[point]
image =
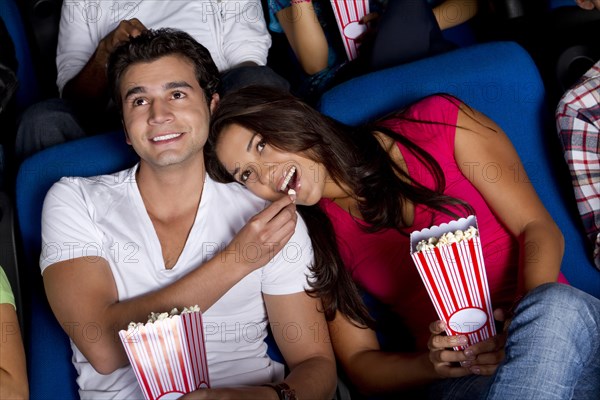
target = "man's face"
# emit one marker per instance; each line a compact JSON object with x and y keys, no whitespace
{"x":165,"y":113}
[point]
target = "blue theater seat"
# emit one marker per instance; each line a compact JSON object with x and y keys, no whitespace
{"x":28,"y":91}
{"x":51,"y":373}
{"x":501,"y":80}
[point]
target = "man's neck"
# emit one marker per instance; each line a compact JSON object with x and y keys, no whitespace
{"x":170,"y":191}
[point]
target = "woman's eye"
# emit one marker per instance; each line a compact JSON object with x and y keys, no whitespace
{"x":244,"y":176}
{"x":261,"y":145}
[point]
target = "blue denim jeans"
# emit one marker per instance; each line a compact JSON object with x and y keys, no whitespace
{"x":552,"y":352}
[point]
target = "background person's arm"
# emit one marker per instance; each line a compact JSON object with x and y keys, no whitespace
{"x":305,"y":35}
{"x":13,"y":373}
{"x":451,"y":13}
{"x":89,"y":88}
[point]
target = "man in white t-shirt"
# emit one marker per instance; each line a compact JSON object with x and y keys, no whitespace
{"x":233,"y":31}
{"x":163,"y":234}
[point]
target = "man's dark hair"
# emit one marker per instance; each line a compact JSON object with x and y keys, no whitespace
{"x":153,"y":44}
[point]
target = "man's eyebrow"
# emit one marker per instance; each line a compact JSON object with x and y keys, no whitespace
{"x":167,"y":86}
{"x":177,"y":84}
{"x":134,"y":90}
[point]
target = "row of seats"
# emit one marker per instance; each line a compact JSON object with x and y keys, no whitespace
{"x":499,"y":78}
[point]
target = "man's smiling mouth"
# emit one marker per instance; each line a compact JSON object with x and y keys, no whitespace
{"x":166,"y":137}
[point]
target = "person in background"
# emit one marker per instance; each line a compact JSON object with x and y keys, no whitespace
{"x":578,"y":126}
{"x":13,"y":372}
{"x":234,"y":32}
{"x":398,"y":32}
{"x":413,"y":169}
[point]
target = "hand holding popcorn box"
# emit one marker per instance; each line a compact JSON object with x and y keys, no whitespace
{"x":167,"y":354}
{"x":450,"y":262}
{"x":348,"y":13}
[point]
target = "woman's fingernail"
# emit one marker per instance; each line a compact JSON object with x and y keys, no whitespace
{"x":476,"y":370}
{"x":292,"y":194}
{"x":469,"y":354}
{"x":465,"y":364}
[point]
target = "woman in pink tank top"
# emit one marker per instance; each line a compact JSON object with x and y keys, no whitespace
{"x":432,"y":163}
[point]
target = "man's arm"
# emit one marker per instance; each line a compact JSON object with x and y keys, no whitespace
{"x":82,"y":291}
{"x":300,"y":330}
{"x":301,"y":333}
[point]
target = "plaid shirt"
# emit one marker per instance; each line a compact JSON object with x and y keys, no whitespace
{"x":578,"y":124}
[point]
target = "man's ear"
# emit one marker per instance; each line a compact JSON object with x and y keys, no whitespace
{"x":214,"y":102}
{"x":126,"y":133}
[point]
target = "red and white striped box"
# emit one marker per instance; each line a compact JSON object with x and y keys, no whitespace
{"x":348,"y":13}
{"x":168,"y":356}
{"x":455,"y":278}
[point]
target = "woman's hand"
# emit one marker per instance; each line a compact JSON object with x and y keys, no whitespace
{"x":444,"y":359}
{"x":481,"y":358}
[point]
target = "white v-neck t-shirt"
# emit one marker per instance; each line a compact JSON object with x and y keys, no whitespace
{"x":105,"y":216}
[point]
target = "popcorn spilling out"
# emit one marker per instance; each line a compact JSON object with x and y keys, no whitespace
{"x":155,"y":316}
{"x":447,"y":238}
{"x":291,"y":192}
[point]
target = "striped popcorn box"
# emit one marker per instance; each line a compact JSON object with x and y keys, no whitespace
{"x":453,"y":272}
{"x":168,"y":356}
{"x":348,"y":14}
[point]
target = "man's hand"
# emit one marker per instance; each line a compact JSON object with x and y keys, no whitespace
{"x":264,"y":235}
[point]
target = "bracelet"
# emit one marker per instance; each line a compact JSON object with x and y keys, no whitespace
{"x":284,"y":392}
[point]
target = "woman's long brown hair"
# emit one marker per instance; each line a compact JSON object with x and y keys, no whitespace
{"x":353,"y":157}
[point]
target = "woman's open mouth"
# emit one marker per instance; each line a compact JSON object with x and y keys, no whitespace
{"x":290,"y":180}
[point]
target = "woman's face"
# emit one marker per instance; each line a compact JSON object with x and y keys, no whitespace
{"x":269,"y":172}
